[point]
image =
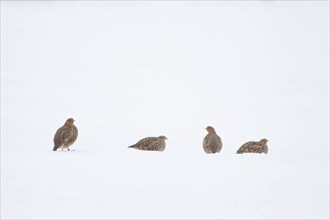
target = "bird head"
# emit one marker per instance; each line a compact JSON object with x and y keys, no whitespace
{"x":69,"y":121}
{"x":210,"y":129}
{"x":263,"y":141}
{"x":162,"y":137}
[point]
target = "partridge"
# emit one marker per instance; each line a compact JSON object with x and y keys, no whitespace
{"x":66,"y":135}
{"x":151,"y":144}
{"x":212,"y":142}
{"x":254,"y":147}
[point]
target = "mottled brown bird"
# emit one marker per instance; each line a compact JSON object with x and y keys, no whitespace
{"x":151,"y":144}
{"x":212,"y":142}
{"x":254,"y":147}
{"x":66,"y":135}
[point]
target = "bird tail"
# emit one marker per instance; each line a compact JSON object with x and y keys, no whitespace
{"x":132,"y":146}
{"x":55,"y":148}
{"x":239,"y":151}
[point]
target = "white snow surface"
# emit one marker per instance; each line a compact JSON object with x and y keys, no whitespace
{"x":132,"y":69}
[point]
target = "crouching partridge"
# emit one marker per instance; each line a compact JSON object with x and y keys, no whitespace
{"x":150,"y":144}
{"x":254,"y":147}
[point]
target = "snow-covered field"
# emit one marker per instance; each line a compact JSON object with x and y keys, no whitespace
{"x":127,"y":70}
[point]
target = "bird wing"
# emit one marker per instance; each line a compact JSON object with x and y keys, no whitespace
{"x":69,"y":134}
{"x":219,"y":141}
{"x":145,"y":143}
{"x":259,"y":148}
{"x":249,"y":146}
{"x":206,"y":143}
{"x":66,"y":133}
{"x":58,"y":137}
{"x":155,"y":145}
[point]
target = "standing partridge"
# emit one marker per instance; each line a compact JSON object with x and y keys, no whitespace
{"x":212,"y":142}
{"x":66,"y":135}
{"x":151,"y":144}
{"x":254,"y":147}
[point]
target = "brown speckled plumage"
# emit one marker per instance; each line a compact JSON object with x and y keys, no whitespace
{"x":66,"y":135}
{"x":212,"y":142}
{"x":151,"y":144}
{"x":254,"y":147}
